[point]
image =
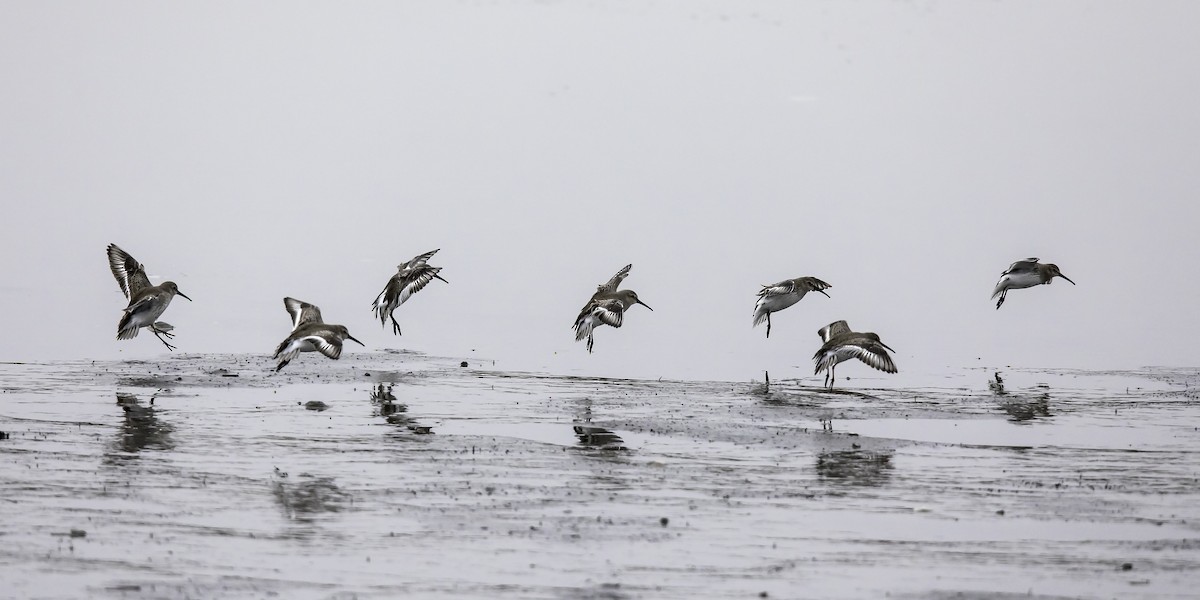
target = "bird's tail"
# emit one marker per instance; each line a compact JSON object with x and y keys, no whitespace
{"x":583,"y":327}
{"x":760,"y":314}
{"x":126,"y":330}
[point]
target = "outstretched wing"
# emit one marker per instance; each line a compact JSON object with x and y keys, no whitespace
{"x":420,"y":259}
{"x":873,"y":354}
{"x":302,"y":312}
{"x":833,"y":330}
{"x":417,"y":280}
{"x":611,"y":285}
{"x":129,"y":273}
{"x":327,"y":343}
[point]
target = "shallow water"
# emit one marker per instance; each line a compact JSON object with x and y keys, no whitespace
{"x":387,"y":474}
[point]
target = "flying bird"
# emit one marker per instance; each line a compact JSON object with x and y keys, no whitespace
{"x":606,"y":307}
{"x":776,"y":297}
{"x":841,"y":345}
{"x":1025,"y":274}
{"x":146,"y":302}
{"x":310,"y":333}
{"x":409,"y":279}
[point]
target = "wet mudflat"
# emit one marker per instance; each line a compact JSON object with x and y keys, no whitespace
{"x":389,"y":474}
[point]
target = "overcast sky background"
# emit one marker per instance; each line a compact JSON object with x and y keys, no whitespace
{"x":905,"y":152}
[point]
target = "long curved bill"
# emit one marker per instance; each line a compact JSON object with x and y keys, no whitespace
{"x":1067,"y":278}
{"x":179,"y":293}
{"x":350,"y":337}
{"x":646,"y":305}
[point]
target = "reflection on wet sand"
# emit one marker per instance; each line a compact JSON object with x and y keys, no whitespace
{"x":997,"y":385}
{"x":1021,"y":407}
{"x":599,"y":438}
{"x":590,"y":436}
{"x":1028,"y":408}
{"x":305,"y":498}
{"x":394,"y":412}
{"x":855,"y":467}
{"x":141,"y":430}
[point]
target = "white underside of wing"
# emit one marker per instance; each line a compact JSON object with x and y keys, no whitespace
{"x":876,"y":360}
{"x":310,"y":343}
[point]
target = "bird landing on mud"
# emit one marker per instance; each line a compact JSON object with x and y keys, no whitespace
{"x":842,"y":344}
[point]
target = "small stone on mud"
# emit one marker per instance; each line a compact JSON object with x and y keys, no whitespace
{"x":462,"y":364}
{"x":1127,"y":567}
{"x":663,"y":521}
{"x":1000,"y":512}
{"x":4,"y":436}
{"x":762,"y":594}
{"x":316,"y":405}
{"x":79,"y":533}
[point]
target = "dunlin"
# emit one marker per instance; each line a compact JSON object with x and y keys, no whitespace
{"x":776,"y":297}
{"x":841,"y":344}
{"x":310,"y":333}
{"x":1024,"y":274}
{"x":409,"y":279}
{"x":146,"y":302}
{"x":607,"y":307}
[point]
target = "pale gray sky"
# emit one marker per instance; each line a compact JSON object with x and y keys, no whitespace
{"x":905,"y":152}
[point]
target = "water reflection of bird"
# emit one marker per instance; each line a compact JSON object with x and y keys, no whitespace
{"x":306,"y":497}
{"x":393,"y":411}
{"x":855,"y":467}
{"x":997,"y":386}
{"x":142,"y":430}
{"x":598,"y":438}
{"x":1028,"y":408}
{"x":1020,"y":407}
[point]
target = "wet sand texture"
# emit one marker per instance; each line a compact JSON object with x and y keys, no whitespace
{"x":382,"y":475}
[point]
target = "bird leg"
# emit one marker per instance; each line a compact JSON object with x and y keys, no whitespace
{"x":158,"y":331}
{"x":832,"y":376}
{"x":159,"y":334}
{"x":1002,"y":295}
{"x":768,"y":324}
{"x":395,"y":325}
{"x":589,"y":344}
